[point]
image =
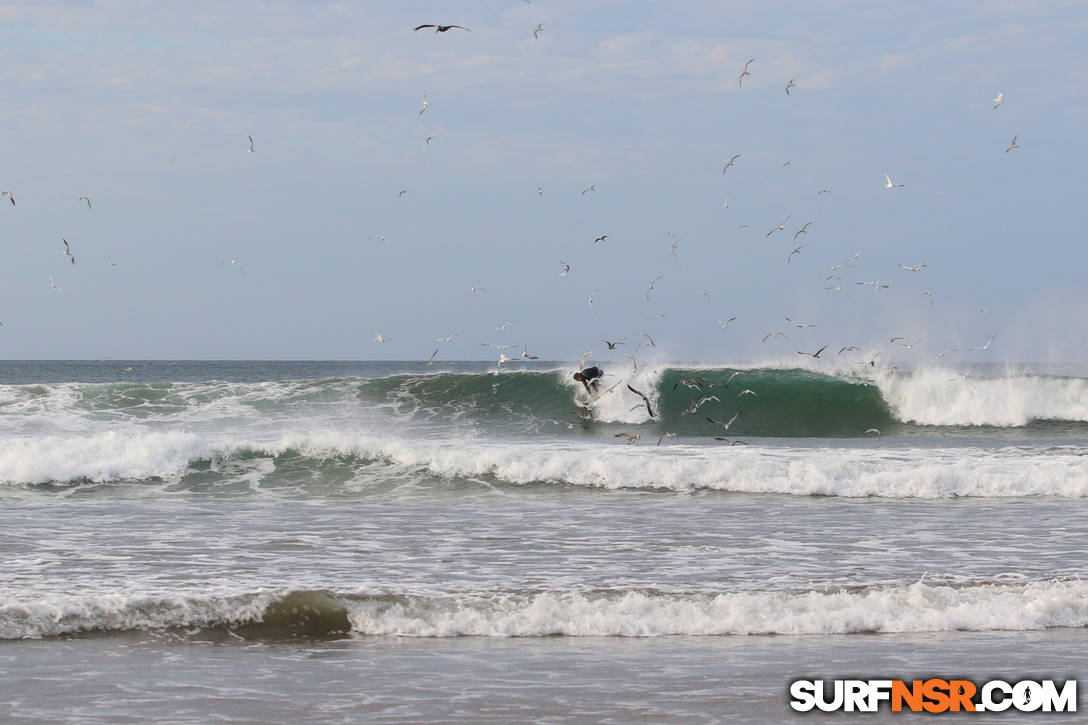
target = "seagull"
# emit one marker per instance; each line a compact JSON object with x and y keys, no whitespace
{"x":583,"y":414}
{"x":379,"y":338}
{"x":986,"y":346}
{"x":780,"y":227}
{"x":695,"y":382}
{"x":426,"y":104}
{"x":251,"y":149}
{"x":86,"y":199}
{"x":778,"y":333}
{"x":668,"y":434}
{"x":694,"y":407}
{"x":428,"y":139}
{"x":788,"y":162}
{"x":644,"y":399}
{"x":497,"y":347}
{"x":525,"y":354}
{"x":942,"y":353}
{"x":734,"y":374}
{"x":9,"y":195}
{"x":795,"y":323}
{"x":674,"y":246}
{"x":591,"y":187}
{"x":570,"y":426}
{"x":725,"y":205}
{"x":823,"y":191}
{"x":591,"y":296}
{"x":802,"y":230}
{"x":447,"y":338}
{"x":441,"y":28}
{"x":725,"y":324}
{"x":999,"y":100}
{"x":503,"y":326}
{"x":744,"y":72}
{"x":68,"y":251}
{"x":477,"y":289}
{"x":888,"y":180}
{"x":380,"y":237}
{"x":727,"y":165}
{"x":873,"y":432}
{"x":612,"y":345}
{"x":430,"y":360}
{"x":600,"y":238}
{"x":651,"y":287}
{"x":790,"y":85}
{"x":540,"y":191}
{"x":634,"y":363}
{"x":648,"y":338}
{"x":538,"y":30}
{"x":234,"y":262}
{"x":747,"y":391}
{"x":796,"y":250}
{"x":401,"y":193}
{"x":630,"y":438}
{"x":915,"y":268}
{"x":566,"y":269}
{"x":877,"y":285}
{"x":907,"y":345}
{"x":813,"y":354}
{"x":1012,"y":145}
{"x":848,"y":348}
{"x":53,"y":284}
{"x":729,"y":423}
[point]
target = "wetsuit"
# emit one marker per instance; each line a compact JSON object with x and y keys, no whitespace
{"x":590,"y":376}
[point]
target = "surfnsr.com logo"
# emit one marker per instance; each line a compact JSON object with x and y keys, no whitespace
{"x":933,"y":695}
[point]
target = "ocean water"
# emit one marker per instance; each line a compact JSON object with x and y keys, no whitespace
{"x":397,"y":542}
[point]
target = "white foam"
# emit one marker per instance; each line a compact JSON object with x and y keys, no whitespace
{"x":937,"y":396}
{"x":876,"y":471}
{"x":914,"y":608}
{"x":917,"y":607}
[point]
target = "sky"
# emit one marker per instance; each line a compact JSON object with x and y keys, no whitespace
{"x":147,"y":109}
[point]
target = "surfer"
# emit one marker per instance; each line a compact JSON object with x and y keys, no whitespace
{"x":591,"y":378}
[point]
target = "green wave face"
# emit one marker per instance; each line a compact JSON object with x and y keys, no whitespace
{"x":786,"y":403}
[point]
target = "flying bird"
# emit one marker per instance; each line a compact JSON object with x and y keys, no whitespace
{"x":430,"y":360}
{"x":802,"y":230}
{"x":726,"y":424}
{"x":380,"y":338}
{"x":591,"y":187}
{"x":538,"y":30}
{"x":667,"y":434}
{"x":999,"y":100}
{"x":525,"y":354}
{"x":744,"y":72}
{"x":600,"y":238}
{"x":813,"y":354}
{"x":442,"y":28}
{"x":780,"y":227}
{"x":888,"y":182}
{"x":630,"y":438}
{"x":790,"y":85}
{"x":694,"y":407}
{"x":727,"y":165}
{"x":86,"y":199}
{"x":68,"y":251}
{"x":9,"y":195}
{"x":725,"y":323}
{"x":747,"y":391}
{"x":644,"y":399}
{"x":796,"y":250}
{"x":915,"y":268}
{"x":651,"y":287}
{"x":566,"y":269}
{"x":426,"y":104}
{"x":233,"y":262}
{"x":777,"y":333}
{"x":1012,"y":145}
{"x":251,"y":149}
{"x":986,"y":346}
{"x":612,"y":345}
{"x":401,"y":193}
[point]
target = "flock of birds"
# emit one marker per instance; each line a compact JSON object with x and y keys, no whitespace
{"x":645,"y":340}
